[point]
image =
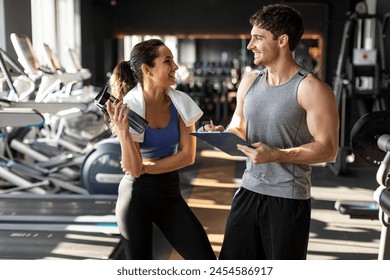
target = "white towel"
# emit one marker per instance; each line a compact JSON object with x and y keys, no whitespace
{"x":188,"y":110}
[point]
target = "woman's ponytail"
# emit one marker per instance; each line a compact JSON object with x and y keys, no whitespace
{"x":122,"y":80}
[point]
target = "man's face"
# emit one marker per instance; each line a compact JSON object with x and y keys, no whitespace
{"x":264,"y":47}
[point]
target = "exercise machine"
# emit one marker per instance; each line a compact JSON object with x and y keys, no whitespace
{"x":23,"y":175}
{"x":52,"y":84}
{"x":92,"y":153}
{"x":41,"y":225}
{"x":76,"y":65}
{"x":18,"y":117}
{"x":95,"y":171}
{"x":52,"y":59}
{"x":370,"y":143}
{"x":22,"y":87}
{"x":361,"y":79}
{"x":382,"y":196}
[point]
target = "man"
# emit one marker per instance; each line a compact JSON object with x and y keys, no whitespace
{"x":290,"y":117}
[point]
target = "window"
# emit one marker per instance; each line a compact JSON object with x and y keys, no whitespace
{"x":57,"y":24}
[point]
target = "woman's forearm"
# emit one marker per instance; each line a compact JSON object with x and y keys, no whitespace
{"x":170,"y":163}
{"x":131,"y":156}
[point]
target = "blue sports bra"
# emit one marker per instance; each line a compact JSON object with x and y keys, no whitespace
{"x":162,"y":142}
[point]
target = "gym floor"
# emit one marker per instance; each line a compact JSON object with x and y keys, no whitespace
{"x":210,"y":184}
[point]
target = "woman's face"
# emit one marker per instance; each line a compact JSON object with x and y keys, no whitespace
{"x":164,"y":70}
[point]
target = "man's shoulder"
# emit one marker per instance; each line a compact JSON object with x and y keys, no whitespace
{"x":252,"y":75}
{"x":311,"y":83}
{"x":313,"y":79}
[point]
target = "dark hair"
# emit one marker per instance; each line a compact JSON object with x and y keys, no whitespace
{"x":144,"y":53}
{"x":122,"y":80}
{"x":127,"y":74}
{"x":280,"y":19}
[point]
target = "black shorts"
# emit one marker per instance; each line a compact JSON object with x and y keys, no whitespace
{"x":266,"y":227}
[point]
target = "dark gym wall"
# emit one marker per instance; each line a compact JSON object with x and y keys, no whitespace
{"x":17,"y":15}
{"x":194,"y":17}
{"x":101,"y":23}
{"x":96,"y":38}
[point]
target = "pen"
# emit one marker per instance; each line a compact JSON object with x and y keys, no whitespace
{"x":211,"y":122}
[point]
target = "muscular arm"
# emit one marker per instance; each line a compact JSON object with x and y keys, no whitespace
{"x":238,"y":123}
{"x":318,"y":100}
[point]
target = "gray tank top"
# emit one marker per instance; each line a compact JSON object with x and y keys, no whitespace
{"x":275,"y":118}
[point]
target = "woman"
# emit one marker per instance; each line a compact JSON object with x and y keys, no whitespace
{"x":150,"y":190}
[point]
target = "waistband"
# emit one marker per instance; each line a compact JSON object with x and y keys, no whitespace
{"x":153,"y":180}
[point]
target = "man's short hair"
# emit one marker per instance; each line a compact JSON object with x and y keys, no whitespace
{"x":280,"y":19}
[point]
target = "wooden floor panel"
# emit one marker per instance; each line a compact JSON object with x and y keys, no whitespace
{"x":209,"y":190}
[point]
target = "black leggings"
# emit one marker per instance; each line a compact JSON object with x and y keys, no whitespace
{"x":157,"y":199}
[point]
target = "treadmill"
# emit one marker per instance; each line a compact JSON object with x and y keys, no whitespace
{"x":54,"y":226}
{"x":58,"y":227}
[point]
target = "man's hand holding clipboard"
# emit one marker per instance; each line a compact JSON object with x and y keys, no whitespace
{"x":225,"y":141}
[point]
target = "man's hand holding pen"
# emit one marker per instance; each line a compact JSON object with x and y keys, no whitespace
{"x":212,"y":127}
{"x":258,"y":152}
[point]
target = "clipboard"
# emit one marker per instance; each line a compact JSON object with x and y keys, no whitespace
{"x":223,"y":140}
